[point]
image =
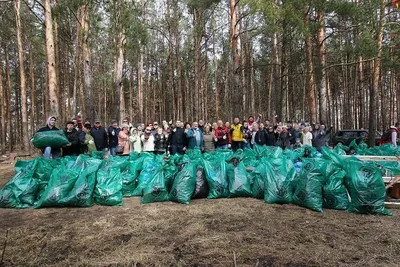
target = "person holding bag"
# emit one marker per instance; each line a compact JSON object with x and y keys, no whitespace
{"x":123,"y":147}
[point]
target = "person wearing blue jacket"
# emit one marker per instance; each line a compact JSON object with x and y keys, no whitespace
{"x":195,"y":137}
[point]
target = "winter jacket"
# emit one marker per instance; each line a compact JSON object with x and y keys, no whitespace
{"x":113,"y":136}
{"x":73,"y":138}
{"x":392,"y":138}
{"x":282,"y":140}
{"x":260,"y":138}
{"x":320,"y":138}
{"x":136,"y":143}
{"x":148,"y":142}
{"x":100,"y":137}
{"x":209,"y":142}
{"x":223,"y":136}
{"x":160,"y":143}
{"x":246,"y":134}
{"x":192,"y":136}
{"x":237,"y":132}
{"x":86,"y":147}
{"x":177,"y":137}
{"x":123,"y":140}
{"x":270,"y":139}
{"x":307,"y":139}
{"x":295,"y":134}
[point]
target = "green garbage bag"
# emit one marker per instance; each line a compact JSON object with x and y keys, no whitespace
{"x":22,"y":165}
{"x":108,"y":190}
{"x":216,"y":175}
{"x":81,"y":195}
{"x":98,"y":154}
{"x":20,"y":192}
{"x":156,"y":189}
{"x":308,"y":185}
{"x":184,"y":184}
{"x":130,"y":177}
{"x":62,"y":181}
{"x":43,"y":171}
{"x":54,"y":139}
{"x":258,"y":177}
{"x":149,"y":168}
{"x":119,"y":162}
{"x":366,"y":187}
{"x":280,"y":173}
{"x":238,"y":181}
{"x":224,"y":154}
{"x":250,"y":158}
{"x":335,"y":194}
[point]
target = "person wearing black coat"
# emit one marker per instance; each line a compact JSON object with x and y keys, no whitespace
{"x":270,"y":137}
{"x":177,"y":140}
{"x":50,"y":151}
{"x":73,"y":148}
{"x":261,"y":136}
{"x":100,"y":136}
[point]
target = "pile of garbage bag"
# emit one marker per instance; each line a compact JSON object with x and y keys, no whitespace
{"x":304,"y":177}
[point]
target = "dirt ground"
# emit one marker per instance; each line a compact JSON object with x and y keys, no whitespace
{"x":225,"y":232}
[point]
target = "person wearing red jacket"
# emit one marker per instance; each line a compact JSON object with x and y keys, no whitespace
{"x":392,"y":137}
{"x":222,"y":136}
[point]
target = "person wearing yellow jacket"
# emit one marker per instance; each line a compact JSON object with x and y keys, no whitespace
{"x":237,"y":135}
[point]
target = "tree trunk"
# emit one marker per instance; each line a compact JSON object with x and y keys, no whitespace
{"x":3,"y":99}
{"x":24,"y":111}
{"x":321,"y":35}
{"x":33,"y":90}
{"x":376,"y":76}
{"x":50,"y":53}
{"x":88,"y":108}
{"x":236,"y":108}
{"x":118,"y":86}
{"x":310,"y":75}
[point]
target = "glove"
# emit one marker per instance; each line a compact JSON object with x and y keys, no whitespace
{"x":91,"y":142}
{"x":216,"y":139}
{"x":132,"y":139}
{"x":224,"y":137}
{"x":245,"y":141}
{"x":229,"y":145}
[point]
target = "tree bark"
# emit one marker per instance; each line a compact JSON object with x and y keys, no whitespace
{"x":3,"y":99}
{"x":310,"y":74}
{"x":22,"y":76}
{"x":321,"y":35}
{"x":33,"y":90}
{"x":376,"y":76}
{"x":236,"y":108}
{"x":50,"y":53}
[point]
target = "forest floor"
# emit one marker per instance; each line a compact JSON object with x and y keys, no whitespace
{"x":224,"y":232}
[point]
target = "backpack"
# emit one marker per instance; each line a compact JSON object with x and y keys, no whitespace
{"x":386,"y":134}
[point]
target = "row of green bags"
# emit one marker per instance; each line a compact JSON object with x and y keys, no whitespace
{"x":265,"y":173}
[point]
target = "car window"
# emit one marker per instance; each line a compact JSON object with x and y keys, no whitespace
{"x":363,"y":134}
{"x":348,"y":134}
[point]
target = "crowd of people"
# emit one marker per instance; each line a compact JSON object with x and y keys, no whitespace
{"x":172,"y":138}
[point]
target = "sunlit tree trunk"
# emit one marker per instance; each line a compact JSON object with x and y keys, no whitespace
{"x":236,"y":108}
{"x":322,"y":87}
{"x":3,"y":100}
{"x":376,"y":76}
{"x":33,"y":90}
{"x":50,"y":53}
{"x":310,"y":74}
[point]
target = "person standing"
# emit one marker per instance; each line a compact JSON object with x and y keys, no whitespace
{"x":392,"y":135}
{"x":136,"y":142}
{"x":123,"y":139}
{"x":71,"y":149}
{"x":237,"y":135}
{"x":307,"y":136}
{"x":100,"y":136}
{"x":195,"y":137}
{"x":113,"y":132}
{"x":260,"y":137}
{"x":177,"y":140}
{"x":222,"y":136}
{"x":86,"y":140}
{"x":160,"y":142}
{"x":246,"y":131}
{"x":208,"y":137}
{"x":50,"y":151}
{"x":148,"y":140}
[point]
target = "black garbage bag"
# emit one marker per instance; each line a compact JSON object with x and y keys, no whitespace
{"x":201,"y":190}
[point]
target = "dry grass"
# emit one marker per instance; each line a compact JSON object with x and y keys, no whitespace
{"x":204,"y":233}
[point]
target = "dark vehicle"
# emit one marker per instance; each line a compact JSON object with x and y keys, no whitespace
{"x":345,"y":137}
